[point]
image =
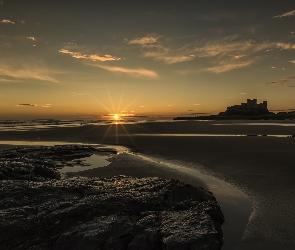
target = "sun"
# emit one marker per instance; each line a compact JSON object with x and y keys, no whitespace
{"x":116,"y":116}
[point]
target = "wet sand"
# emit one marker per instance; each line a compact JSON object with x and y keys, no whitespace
{"x":263,"y":167}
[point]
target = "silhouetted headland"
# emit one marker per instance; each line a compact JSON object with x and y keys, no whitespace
{"x":251,"y":110}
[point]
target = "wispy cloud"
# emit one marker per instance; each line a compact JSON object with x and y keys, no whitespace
{"x":140,"y":72}
{"x":285,"y":46}
{"x":7,"y":21}
{"x":230,"y":53}
{"x":220,"y":55}
{"x":92,"y":57}
{"x":288,"y":14}
{"x":6,"y":80}
{"x":48,"y":105}
{"x":283,"y":82}
{"x":145,"y":40}
{"x":26,"y":105}
{"x":231,"y":47}
{"x":292,"y":61}
{"x":228,"y":66}
{"x":32,"y":38}
{"x":169,"y":59}
{"x":153,"y":48}
{"x":81,"y":94}
{"x":34,"y":105}
{"x":24,"y":70}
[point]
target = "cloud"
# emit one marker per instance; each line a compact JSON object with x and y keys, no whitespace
{"x":282,"y":82}
{"x":230,"y":47}
{"x":292,"y":61}
{"x":169,"y":59}
{"x":26,"y":105}
{"x":6,"y":80}
{"x":144,"y":40}
{"x":132,"y":72}
{"x":228,"y":66}
{"x":152,"y":48}
{"x":285,"y":46}
{"x":239,"y":56}
{"x":221,"y":55}
{"x":218,"y":56}
{"x":81,"y":94}
{"x":288,"y":14}
{"x":230,"y":53}
{"x":24,"y":70}
{"x":7,"y":21}
{"x":31,"y":38}
{"x":92,"y":57}
{"x":48,"y":105}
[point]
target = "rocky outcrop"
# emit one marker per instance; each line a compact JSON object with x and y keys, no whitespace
{"x":108,"y":213}
{"x":46,"y":212}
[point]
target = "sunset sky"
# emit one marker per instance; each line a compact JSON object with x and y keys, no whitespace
{"x":85,"y":59}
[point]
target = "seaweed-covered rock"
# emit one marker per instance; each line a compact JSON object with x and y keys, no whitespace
{"x":108,"y":213}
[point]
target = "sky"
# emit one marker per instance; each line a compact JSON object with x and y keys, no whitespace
{"x":87,"y":59}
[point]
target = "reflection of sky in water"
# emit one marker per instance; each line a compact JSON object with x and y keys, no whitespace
{"x":219,"y":135}
{"x":94,"y":161}
{"x":237,"y":208}
{"x":257,"y":124}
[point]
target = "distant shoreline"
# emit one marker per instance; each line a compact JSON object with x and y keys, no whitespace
{"x":237,"y":117}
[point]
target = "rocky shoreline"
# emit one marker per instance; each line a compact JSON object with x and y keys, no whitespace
{"x":41,"y":210}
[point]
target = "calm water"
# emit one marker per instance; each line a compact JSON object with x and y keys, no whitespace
{"x":222,"y":135}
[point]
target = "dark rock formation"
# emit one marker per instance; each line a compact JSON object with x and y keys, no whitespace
{"x":108,"y":213}
{"x":38,"y":210}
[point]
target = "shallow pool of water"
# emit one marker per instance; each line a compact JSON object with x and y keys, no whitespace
{"x":94,"y":161}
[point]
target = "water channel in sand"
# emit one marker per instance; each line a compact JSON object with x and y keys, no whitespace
{"x":236,"y":206}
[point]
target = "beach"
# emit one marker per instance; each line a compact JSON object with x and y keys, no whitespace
{"x":255,"y":157}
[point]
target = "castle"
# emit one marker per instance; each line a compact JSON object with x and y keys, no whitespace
{"x":251,"y":104}
{"x":251,"y":107}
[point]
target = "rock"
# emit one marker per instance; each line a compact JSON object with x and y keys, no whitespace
{"x":39,"y":210}
{"x":108,"y":213}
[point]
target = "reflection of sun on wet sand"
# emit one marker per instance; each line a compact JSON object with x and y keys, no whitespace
{"x":260,"y":166}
